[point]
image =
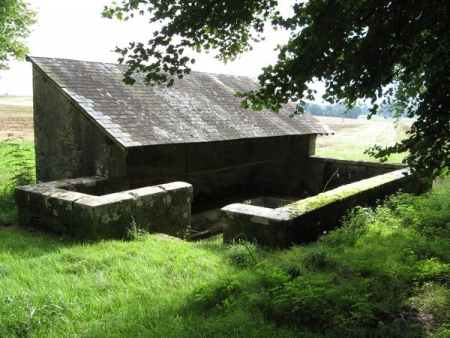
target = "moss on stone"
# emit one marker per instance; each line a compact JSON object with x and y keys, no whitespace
{"x":340,"y":194}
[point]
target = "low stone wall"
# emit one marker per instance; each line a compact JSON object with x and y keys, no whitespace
{"x":326,"y":173}
{"x":86,"y":208}
{"x":305,"y":220}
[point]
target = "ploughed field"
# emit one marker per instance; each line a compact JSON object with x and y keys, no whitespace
{"x":16,"y":117}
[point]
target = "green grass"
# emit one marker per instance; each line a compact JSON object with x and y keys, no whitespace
{"x":143,"y":288}
{"x":384,"y":273}
{"x":352,"y":138}
{"x":7,"y":171}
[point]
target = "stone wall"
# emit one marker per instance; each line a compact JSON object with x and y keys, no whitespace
{"x":67,"y":143}
{"x":328,"y":173}
{"x":86,"y":208}
{"x":221,"y":168}
{"x":305,"y":220}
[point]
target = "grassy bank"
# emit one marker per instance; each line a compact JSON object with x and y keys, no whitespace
{"x":385,"y":273}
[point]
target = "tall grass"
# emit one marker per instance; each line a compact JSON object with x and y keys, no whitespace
{"x":141,"y":288}
{"x":384,"y":273}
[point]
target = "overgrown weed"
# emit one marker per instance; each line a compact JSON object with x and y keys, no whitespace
{"x":133,"y":232}
{"x":16,"y":168}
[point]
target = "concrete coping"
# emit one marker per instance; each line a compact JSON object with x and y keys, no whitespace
{"x":304,"y":220}
{"x":62,"y":190}
{"x":257,"y":212}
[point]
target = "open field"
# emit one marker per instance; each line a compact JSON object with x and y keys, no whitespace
{"x":16,"y":117}
{"x":353,"y":136}
{"x":16,"y":100}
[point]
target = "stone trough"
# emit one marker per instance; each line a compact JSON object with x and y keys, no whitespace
{"x":305,"y":220}
{"x":86,"y":207}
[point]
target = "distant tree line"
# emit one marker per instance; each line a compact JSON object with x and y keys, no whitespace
{"x":335,"y":110}
{"x":340,"y":110}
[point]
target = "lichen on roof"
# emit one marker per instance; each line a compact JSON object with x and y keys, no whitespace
{"x":201,"y":107}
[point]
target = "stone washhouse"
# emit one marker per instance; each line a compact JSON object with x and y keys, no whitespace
{"x":111,"y":157}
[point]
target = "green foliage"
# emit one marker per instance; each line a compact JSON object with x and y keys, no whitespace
{"x":244,"y":254}
{"x":15,"y":22}
{"x":393,"y":54}
{"x":20,"y":161}
{"x":221,"y":295}
{"x":17,"y":168}
{"x":199,"y":26}
{"x":385,"y":272}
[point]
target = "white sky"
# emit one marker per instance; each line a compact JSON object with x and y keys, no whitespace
{"x":74,"y":29}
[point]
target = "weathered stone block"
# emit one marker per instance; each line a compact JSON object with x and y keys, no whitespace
{"x":25,"y":216}
{"x":252,"y":223}
{"x":150,"y":207}
{"x":34,"y":197}
{"x":173,"y":220}
{"x":60,"y":204}
{"x":165,"y":208}
{"x":104,"y":216}
{"x":84,"y":184}
{"x":178,"y":192}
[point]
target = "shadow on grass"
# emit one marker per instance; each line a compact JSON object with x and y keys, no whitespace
{"x":8,"y":210}
{"x":22,"y":242}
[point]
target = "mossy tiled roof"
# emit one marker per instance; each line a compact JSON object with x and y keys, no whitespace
{"x":199,"y":108}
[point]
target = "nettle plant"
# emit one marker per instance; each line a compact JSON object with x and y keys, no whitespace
{"x":20,"y":160}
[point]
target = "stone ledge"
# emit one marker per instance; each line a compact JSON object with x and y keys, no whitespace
{"x":305,"y":220}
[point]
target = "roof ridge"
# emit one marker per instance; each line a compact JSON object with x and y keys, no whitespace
{"x":31,"y":57}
